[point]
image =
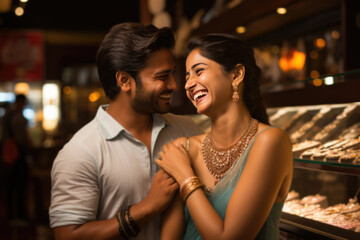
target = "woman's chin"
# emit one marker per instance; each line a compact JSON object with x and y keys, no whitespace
{"x":202,"y":110}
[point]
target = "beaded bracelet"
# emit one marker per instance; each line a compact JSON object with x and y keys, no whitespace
{"x":189,"y":186}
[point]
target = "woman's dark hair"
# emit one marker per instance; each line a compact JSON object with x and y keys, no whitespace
{"x":228,"y":51}
{"x":126,"y":47}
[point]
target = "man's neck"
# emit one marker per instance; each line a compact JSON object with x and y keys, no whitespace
{"x":138,"y":124}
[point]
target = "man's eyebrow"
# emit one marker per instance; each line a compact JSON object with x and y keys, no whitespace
{"x":163,"y":72}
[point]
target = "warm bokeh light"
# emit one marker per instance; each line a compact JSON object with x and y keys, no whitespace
{"x":314,"y":74}
{"x":281,"y":10}
{"x":21,"y":88}
{"x":67,"y":90}
{"x":241,"y":29}
{"x":320,"y":43}
{"x":19,"y":11}
{"x":335,"y":34}
{"x":51,"y":106}
{"x":317,"y":82}
{"x":24,"y":1}
{"x":94,"y":96}
{"x":5,"y":6}
{"x":314,"y":54}
{"x":293,"y":60}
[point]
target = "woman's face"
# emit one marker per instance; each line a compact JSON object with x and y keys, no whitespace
{"x":207,"y":85}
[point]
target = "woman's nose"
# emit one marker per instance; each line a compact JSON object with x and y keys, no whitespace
{"x":190,"y":83}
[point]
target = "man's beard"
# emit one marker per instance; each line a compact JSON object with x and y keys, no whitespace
{"x":147,"y":102}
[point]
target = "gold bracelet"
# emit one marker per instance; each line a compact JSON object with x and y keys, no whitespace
{"x":186,"y":181}
{"x":189,"y":187}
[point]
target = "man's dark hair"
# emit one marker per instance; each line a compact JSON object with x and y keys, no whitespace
{"x":126,"y":47}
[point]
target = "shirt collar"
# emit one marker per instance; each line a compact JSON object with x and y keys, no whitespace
{"x":111,"y":128}
{"x":108,"y":125}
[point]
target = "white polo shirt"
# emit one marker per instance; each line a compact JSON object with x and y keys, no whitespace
{"x":103,"y":169}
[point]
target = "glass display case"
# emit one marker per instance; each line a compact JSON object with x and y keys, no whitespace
{"x":322,"y":118}
{"x":323,"y":201}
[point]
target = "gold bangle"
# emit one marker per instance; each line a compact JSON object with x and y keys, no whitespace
{"x":186,"y":181}
{"x":189,"y":187}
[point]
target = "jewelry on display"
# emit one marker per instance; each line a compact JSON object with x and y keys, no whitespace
{"x":235,"y":96}
{"x":220,"y":160}
{"x":188,"y":186}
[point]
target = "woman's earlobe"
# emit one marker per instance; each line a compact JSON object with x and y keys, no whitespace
{"x":239,"y":72}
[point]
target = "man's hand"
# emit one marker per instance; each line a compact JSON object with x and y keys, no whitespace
{"x":162,"y":191}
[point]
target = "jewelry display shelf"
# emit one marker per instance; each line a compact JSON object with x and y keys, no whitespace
{"x":347,"y":168}
{"x":310,"y":229}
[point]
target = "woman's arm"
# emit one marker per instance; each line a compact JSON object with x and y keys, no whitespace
{"x":173,"y":221}
{"x":267,"y":171}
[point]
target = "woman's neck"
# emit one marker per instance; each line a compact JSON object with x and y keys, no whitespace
{"x":229,"y":127}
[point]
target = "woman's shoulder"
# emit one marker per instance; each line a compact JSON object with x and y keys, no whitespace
{"x":272,"y":141}
{"x":192,"y":139}
{"x":271,"y":133}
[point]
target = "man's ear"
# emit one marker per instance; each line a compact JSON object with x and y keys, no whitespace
{"x":123,"y":80}
{"x":238,"y":74}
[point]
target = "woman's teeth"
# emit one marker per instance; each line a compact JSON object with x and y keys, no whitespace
{"x":199,"y":95}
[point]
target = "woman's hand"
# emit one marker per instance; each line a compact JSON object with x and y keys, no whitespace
{"x":175,"y":161}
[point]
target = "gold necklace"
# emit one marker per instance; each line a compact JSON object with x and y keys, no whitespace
{"x":220,"y":160}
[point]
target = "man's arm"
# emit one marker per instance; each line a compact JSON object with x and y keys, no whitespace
{"x":160,"y":196}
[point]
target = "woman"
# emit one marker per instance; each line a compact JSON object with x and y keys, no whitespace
{"x":233,"y":180}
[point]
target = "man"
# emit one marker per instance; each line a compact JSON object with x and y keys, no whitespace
{"x":109,"y":164}
{"x":15,"y":150}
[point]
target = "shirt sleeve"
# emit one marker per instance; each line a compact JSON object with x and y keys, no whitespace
{"x":75,"y":189}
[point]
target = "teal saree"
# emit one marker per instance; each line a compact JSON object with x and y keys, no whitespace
{"x":220,"y":196}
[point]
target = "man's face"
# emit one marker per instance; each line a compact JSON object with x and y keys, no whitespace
{"x":157,"y":82}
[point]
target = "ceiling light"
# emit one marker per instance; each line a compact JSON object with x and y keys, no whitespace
{"x":19,"y":11}
{"x":281,"y":10}
{"x":241,"y":29}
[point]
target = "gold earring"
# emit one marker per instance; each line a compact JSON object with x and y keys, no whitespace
{"x":235,"y":96}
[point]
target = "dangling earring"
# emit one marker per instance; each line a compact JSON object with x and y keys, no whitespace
{"x":235,"y":96}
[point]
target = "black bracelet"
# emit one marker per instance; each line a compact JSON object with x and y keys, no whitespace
{"x":135,"y":233}
{"x":121,"y":230}
{"x":132,"y":222}
{"x":125,"y":223}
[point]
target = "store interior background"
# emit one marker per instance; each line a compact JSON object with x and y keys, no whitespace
{"x":308,"y":55}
